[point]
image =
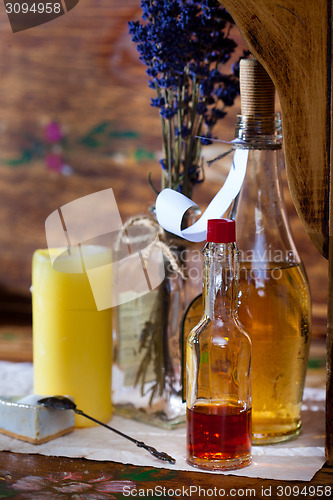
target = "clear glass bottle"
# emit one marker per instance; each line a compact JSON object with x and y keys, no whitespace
{"x":218,"y":360}
{"x":274,"y":298}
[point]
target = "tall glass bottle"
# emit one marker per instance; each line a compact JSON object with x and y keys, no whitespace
{"x":218,"y":359}
{"x":274,"y":299}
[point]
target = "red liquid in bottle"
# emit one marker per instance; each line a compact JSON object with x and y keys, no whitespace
{"x":218,"y":432}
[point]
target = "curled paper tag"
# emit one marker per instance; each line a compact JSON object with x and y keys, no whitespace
{"x":171,"y":205}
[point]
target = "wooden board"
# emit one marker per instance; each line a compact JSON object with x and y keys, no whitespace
{"x":292,"y":41}
{"x":36,"y":476}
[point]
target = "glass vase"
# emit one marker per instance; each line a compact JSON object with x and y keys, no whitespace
{"x":148,"y":356}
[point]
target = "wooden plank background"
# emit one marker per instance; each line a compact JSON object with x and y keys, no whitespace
{"x":83,"y":71}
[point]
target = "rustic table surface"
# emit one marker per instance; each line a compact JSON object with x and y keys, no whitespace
{"x":36,"y":476}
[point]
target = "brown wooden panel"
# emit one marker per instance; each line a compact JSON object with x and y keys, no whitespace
{"x":291,"y":40}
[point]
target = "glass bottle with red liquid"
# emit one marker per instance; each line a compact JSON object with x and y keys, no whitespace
{"x":218,"y":361}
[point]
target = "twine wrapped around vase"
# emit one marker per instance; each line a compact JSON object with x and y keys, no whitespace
{"x":159,"y":242}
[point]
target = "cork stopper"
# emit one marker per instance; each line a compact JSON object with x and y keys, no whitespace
{"x":257,"y":95}
{"x":257,"y":89}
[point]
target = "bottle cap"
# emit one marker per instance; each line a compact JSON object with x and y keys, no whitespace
{"x":221,"y":231}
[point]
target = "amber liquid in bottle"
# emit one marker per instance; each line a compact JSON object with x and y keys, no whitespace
{"x":274,"y":303}
{"x":218,"y":432}
{"x":275,"y":308}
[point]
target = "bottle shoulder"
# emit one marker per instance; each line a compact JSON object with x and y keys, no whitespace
{"x":218,"y":330}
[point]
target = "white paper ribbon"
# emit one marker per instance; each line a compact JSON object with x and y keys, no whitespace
{"x":171,"y":205}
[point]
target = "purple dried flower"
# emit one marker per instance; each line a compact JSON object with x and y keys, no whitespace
{"x":206,"y":141}
{"x":184,"y":44}
{"x":167,"y":112}
{"x":157,"y":102}
{"x":201,"y":108}
{"x":219,"y":113}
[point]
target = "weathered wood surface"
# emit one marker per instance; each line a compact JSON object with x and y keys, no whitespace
{"x":293,"y":41}
{"x":35,"y":476}
{"x":329,"y":339}
{"x":329,"y":343}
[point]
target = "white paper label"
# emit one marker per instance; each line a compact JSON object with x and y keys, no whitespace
{"x":171,"y":205}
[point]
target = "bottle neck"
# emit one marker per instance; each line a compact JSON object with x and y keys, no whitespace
{"x":260,"y":211}
{"x":259,"y":132}
{"x":220,"y":280}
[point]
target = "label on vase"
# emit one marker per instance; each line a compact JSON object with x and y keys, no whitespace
{"x":134,"y":318}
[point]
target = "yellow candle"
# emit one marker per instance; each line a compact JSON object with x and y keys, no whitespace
{"x":72,"y":340}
